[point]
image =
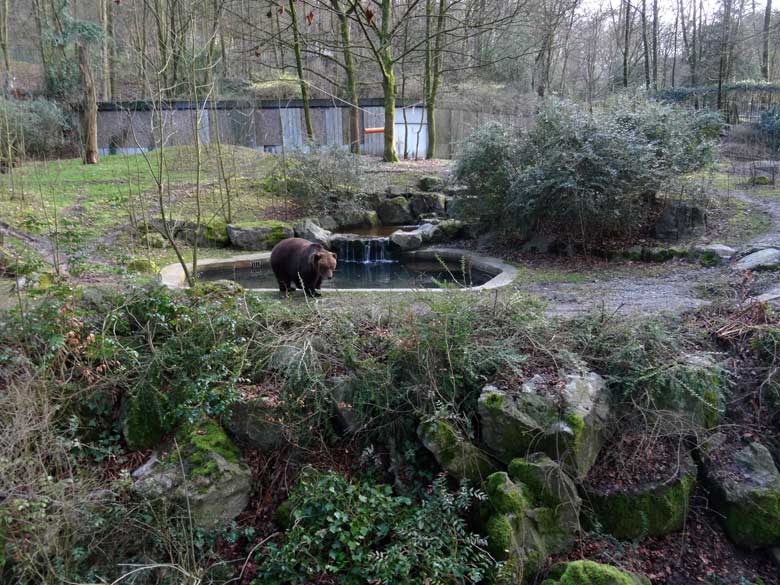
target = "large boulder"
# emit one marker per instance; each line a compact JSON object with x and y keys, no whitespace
{"x":203,"y":472}
{"x":586,"y":572}
{"x":431,"y":183}
{"x":141,"y":417}
{"x":395,"y":211}
{"x":255,"y":423}
{"x":213,"y":233}
{"x":452,"y":229}
{"x":766,"y":259}
{"x":527,"y":522}
{"x":354,"y":218}
{"x":309,"y":230}
{"x":454,"y":452}
{"x":407,"y":241}
{"x":678,"y":219}
{"x":650,"y":509}
{"x":259,"y":235}
{"x":745,"y":489}
{"x":422,"y":203}
{"x":570,"y":425}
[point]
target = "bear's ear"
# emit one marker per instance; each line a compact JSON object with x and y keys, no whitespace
{"x":317,"y":257}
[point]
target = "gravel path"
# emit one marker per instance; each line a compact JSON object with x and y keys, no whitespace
{"x":679,"y":291}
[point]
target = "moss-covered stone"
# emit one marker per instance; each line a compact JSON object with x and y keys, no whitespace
{"x":142,"y":420}
{"x":395,"y":211}
{"x":452,"y":229}
{"x":259,"y":235}
{"x":154,"y":240}
{"x":142,"y":266}
{"x":760,"y":181}
{"x":431,"y":183}
{"x":649,"y":510}
{"x":590,"y":573}
{"x":521,"y":422}
{"x":201,"y":441}
{"x":456,"y":455}
{"x":216,"y":233}
{"x":746,"y":493}
{"x":693,"y":392}
{"x":202,"y":471}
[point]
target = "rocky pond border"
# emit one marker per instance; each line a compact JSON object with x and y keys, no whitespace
{"x":503,"y":273}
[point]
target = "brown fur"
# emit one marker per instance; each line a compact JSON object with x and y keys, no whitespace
{"x":296,"y":261}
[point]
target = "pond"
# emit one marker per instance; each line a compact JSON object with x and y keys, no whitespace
{"x":373,"y":275}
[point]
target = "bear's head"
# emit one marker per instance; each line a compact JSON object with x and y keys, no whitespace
{"x":326,"y":264}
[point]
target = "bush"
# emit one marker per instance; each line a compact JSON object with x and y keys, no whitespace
{"x":769,"y":123}
{"x":579,"y":175}
{"x":321,"y":181}
{"x":360,"y":532}
{"x":33,"y":129}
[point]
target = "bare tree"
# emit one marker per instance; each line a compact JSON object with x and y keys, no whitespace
{"x":88,"y":107}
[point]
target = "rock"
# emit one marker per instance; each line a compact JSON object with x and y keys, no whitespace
{"x":767,"y":259}
{"x":260,"y":235}
{"x":760,"y":180}
{"x":142,"y":266}
{"x":412,"y":240}
{"x":142,"y":419}
{"x":222,"y":287}
{"x":309,"y":230}
{"x":353,"y":218}
{"x":254,"y":423}
{"x":526,"y":524}
{"x":406,"y":241}
{"x":328,"y":223}
{"x":724,"y":252}
{"x":422,"y":203}
{"x":570,"y":428}
{"x":452,"y":229}
{"x":214,"y":233}
{"x":342,"y":394}
{"x":395,"y":211}
{"x":431,"y":183}
{"x":693,"y":395}
{"x":745,"y":489}
{"x":678,"y":219}
{"x":591,"y":573}
{"x":555,"y":497}
{"x":216,"y":483}
{"x":455,"y":453}
{"x":155,"y":240}
{"x":652,"y":509}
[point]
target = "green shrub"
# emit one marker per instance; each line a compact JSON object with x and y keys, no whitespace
{"x":321,"y":181}
{"x":582,"y":176}
{"x":35,"y":129}
{"x":360,"y":532}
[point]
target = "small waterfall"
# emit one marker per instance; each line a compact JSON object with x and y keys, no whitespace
{"x":361,"y":250}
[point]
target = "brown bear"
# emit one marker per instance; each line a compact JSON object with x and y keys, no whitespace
{"x":296,"y":261}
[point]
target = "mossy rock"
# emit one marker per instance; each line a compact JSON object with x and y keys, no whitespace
{"x":216,"y":233}
{"x":590,"y":573}
{"x":648,"y":510}
{"x":215,"y":485}
{"x":452,"y":229}
{"x":395,"y":211}
{"x":517,"y":423}
{"x":693,"y":394}
{"x":760,"y":181}
{"x":746,"y":493}
{"x":431,"y":183}
{"x":259,"y":235}
{"x":142,"y":420}
{"x":155,"y":240}
{"x":222,"y":288}
{"x":142,"y":266}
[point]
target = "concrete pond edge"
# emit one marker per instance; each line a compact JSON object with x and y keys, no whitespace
{"x":503,"y":273}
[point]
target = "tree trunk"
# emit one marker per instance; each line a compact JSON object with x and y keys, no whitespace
{"x":4,"y":39}
{"x":645,"y":44}
{"x":388,"y":81}
{"x":765,"y":41}
{"x":655,"y":45}
{"x":349,"y":67}
{"x":724,"y":50}
{"x":299,"y":68}
{"x":626,"y":42}
{"x":106,"y":49}
{"x":88,"y":108}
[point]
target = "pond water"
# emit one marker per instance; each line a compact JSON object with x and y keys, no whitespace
{"x":349,"y":275}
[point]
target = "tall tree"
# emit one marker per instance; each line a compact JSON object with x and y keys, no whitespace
{"x":88,"y":106}
{"x":351,"y":74}
{"x":299,"y":68}
{"x":725,"y":43}
{"x":765,"y":41}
